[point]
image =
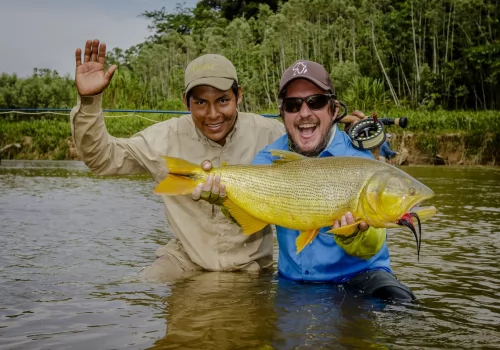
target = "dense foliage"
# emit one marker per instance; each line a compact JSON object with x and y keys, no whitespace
{"x":436,"y":61}
{"x":424,"y":54}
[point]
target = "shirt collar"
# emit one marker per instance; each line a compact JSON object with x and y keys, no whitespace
{"x":336,"y":142}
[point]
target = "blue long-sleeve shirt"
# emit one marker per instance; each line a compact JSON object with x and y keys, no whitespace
{"x":322,"y":260}
{"x":385,"y":151}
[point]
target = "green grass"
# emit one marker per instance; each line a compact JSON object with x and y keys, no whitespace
{"x":46,"y":137}
{"x":448,"y":121}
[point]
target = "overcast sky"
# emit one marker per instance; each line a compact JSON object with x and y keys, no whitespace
{"x":45,"y":34}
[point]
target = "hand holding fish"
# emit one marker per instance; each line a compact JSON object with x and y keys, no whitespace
{"x":212,"y":190}
{"x":90,"y":77}
{"x":348,"y":219}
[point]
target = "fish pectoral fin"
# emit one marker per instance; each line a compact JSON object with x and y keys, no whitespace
{"x":305,"y":238}
{"x":285,"y":156}
{"x":247,"y":222}
{"x":174,"y":185}
{"x":346,"y":230}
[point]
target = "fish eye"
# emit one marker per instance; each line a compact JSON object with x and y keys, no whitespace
{"x":412,"y":191}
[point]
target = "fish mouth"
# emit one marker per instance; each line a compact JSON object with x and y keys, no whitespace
{"x":424,"y":213}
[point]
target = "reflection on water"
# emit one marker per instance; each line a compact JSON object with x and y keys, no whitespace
{"x":73,"y":243}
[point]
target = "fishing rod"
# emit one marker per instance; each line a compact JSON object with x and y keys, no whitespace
{"x":369,"y":133}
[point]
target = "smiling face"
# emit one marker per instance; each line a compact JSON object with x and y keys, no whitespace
{"x":309,"y":130}
{"x":213,"y":111}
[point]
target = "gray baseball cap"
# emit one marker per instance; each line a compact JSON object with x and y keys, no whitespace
{"x":211,"y":69}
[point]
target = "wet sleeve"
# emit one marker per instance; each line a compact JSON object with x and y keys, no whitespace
{"x":365,"y":244}
{"x":108,"y":155}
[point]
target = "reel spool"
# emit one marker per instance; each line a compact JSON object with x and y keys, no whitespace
{"x":369,"y":133}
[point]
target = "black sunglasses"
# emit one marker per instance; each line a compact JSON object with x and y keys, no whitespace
{"x":314,"y":102}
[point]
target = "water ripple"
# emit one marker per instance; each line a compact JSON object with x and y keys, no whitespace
{"x":73,"y":243}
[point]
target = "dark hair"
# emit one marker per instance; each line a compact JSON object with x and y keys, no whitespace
{"x":234,"y":87}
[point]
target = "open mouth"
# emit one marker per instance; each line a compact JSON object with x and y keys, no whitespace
{"x":307,"y":130}
{"x":215,"y":127}
{"x":424,"y":213}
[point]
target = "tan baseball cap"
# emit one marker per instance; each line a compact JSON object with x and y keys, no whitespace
{"x":211,"y":69}
{"x":312,"y":71}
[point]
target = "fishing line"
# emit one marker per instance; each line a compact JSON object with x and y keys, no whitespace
{"x":66,"y":114}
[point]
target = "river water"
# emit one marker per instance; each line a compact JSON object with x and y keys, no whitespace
{"x":72,"y":245}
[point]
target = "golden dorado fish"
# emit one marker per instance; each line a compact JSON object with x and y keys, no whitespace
{"x":307,"y":194}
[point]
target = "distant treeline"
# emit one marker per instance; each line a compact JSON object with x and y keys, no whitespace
{"x":418,"y":54}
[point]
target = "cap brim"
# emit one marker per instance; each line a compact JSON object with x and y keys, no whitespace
{"x":312,"y":80}
{"x":222,"y":84}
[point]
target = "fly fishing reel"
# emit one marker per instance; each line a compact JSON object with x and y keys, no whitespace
{"x":369,"y":133}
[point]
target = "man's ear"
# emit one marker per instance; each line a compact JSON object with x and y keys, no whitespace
{"x":240,"y":95}
{"x":336,"y":109}
{"x":184,"y":99}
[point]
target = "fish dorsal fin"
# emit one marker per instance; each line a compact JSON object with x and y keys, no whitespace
{"x":346,"y":230}
{"x":248,"y":223}
{"x":285,"y":156}
{"x":305,"y":238}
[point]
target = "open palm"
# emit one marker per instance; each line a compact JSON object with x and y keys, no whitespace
{"x":90,"y":77}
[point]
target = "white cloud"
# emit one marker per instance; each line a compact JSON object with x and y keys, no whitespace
{"x":41,"y":36}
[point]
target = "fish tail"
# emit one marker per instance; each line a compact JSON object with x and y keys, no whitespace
{"x":182,"y":177}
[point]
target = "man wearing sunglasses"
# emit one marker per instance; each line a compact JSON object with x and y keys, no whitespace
{"x":310,"y":111}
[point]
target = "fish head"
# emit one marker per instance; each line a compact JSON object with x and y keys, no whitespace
{"x":391,"y":193}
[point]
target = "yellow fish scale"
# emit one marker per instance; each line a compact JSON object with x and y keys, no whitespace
{"x":299,"y":194}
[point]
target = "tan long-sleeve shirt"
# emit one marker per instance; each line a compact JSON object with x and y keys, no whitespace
{"x":203,"y":232}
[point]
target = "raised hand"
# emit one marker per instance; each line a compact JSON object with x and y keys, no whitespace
{"x":90,"y":77}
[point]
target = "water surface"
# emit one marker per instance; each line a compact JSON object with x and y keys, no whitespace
{"x":72,"y":245}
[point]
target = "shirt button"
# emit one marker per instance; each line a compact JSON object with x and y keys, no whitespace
{"x":307,"y":272}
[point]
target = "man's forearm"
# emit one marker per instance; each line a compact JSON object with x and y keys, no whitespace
{"x":102,"y":153}
{"x":363,"y":244}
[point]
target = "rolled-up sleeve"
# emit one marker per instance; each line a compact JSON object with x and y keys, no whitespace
{"x":108,"y":155}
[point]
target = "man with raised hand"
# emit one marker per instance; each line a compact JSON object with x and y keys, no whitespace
{"x":204,"y":239}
